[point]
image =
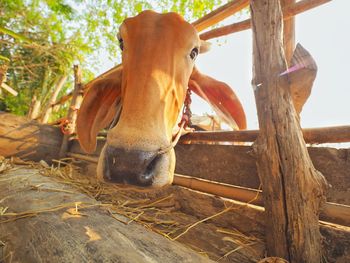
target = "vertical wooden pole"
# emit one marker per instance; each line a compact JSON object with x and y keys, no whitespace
{"x":77,"y":98}
{"x":288,"y":32}
{"x":293,"y":189}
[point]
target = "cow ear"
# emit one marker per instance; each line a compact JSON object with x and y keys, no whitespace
{"x":205,"y":46}
{"x":98,"y":109}
{"x":221,"y":97}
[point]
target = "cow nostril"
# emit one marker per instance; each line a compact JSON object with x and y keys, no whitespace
{"x":146,"y":178}
{"x":134,"y":167}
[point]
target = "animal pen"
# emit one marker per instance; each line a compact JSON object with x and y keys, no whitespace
{"x":60,"y":213}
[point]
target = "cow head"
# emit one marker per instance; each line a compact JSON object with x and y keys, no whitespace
{"x":146,"y":94}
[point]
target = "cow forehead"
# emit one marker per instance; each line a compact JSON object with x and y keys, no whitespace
{"x":160,"y":27}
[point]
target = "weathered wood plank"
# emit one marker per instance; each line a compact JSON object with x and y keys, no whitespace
{"x":69,"y":239}
{"x":331,"y":212}
{"x":58,"y":236}
{"x":233,"y":164}
{"x":29,"y":140}
{"x":288,"y":12}
{"x":236,"y":165}
{"x":336,"y":134}
{"x":220,"y":14}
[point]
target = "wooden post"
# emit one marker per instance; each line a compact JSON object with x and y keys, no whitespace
{"x":72,"y":111}
{"x":48,"y":109}
{"x":293,"y":188}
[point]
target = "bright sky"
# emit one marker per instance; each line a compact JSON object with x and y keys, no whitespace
{"x":324,"y":32}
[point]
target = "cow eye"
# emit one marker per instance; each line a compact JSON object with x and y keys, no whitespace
{"x":121,"y":42}
{"x":194,"y":53}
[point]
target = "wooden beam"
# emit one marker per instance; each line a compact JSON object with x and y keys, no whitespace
{"x":293,"y":189}
{"x":288,"y":13}
{"x":235,"y":165}
{"x":27,"y":139}
{"x":57,"y":223}
{"x":336,"y":134}
{"x":220,"y":14}
{"x":332,"y":212}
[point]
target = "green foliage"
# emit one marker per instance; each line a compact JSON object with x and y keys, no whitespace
{"x":40,"y":40}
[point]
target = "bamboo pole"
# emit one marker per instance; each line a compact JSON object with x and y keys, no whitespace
{"x":337,"y":134}
{"x":332,"y":212}
{"x":288,"y":12}
{"x":220,"y":14}
{"x":72,"y":111}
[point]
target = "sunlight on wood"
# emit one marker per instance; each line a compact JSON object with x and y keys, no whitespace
{"x":93,"y":236}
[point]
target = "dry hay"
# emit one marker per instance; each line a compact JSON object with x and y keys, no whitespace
{"x":158,"y":211}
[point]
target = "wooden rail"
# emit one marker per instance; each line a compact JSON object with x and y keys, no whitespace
{"x":335,"y":213}
{"x":220,"y":14}
{"x":335,"y":134}
{"x":288,"y":12}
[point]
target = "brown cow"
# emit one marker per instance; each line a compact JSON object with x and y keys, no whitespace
{"x":146,"y":93}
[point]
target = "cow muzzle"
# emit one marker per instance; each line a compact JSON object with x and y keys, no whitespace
{"x":136,"y":167}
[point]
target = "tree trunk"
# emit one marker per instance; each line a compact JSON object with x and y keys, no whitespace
{"x":34,"y":109}
{"x":3,"y":70}
{"x":48,"y":109}
{"x":29,"y":140}
{"x":293,"y":188}
{"x":72,"y":111}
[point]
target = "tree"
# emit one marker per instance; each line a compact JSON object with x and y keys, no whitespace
{"x":42,"y":39}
